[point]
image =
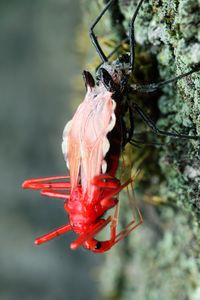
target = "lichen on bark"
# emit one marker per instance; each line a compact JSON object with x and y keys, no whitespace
{"x":161,"y":259}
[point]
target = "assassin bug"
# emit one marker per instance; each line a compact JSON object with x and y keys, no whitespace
{"x":92,"y":144}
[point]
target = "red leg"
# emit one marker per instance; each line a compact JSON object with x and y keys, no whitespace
{"x":113,"y":192}
{"x":54,"y":194}
{"x":106,"y":181}
{"x":86,"y":236}
{"x":51,"y":235}
{"x":45,"y":183}
{"x":137,"y":220}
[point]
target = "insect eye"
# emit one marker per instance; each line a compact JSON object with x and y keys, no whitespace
{"x":98,"y":245}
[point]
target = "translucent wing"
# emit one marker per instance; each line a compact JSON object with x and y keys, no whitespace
{"x":85,"y":142}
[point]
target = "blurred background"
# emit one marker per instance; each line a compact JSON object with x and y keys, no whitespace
{"x":40,"y":68}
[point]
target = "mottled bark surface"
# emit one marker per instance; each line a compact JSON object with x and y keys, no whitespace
{"x":161,"y":260}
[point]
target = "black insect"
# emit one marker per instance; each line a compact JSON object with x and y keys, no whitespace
{"x":114,"y":76}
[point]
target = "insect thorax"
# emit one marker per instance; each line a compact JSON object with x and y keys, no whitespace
{"x":119,"y":69}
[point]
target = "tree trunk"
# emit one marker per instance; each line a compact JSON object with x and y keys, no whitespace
{"x":161,"y":258}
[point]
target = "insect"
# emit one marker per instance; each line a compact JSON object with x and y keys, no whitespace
{"x":92,"y":145}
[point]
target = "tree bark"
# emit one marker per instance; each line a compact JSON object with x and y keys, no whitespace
{"x":161,"y":258}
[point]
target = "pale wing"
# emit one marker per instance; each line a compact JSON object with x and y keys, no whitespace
{"x":85,"y":142}
{"x":94,"y":142}
{"x":71,"y":145}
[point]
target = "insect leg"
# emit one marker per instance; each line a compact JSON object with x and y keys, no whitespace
{"x":137,"y":219}
{"x":149,"y":122}
{"x":51,"y":235}
{"x":86,"y":236}
{"x":46,"y":183}
{"x":54,"y":194}
{"x":129,"y":131}
{"x":132,"y":35}
{"x":152,"y":87}
{"x":92,"y":35}
{"x":106,"y":181}
{"x":113,"y":225}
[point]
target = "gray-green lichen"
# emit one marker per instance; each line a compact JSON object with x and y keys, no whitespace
{"x":161,"y":259}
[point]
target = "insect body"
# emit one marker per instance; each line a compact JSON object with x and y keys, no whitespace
{"x":92,"y":144}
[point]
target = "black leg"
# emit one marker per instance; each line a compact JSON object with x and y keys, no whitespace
{"x":152,"y":87}
{"x":130,"y":131}
{"x":92,"y":35}
{"x":156,"y":130}
{"x":132,"y":35}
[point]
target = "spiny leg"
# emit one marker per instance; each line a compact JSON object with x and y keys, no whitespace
{"x":92,"y":35}
{"x":149,"y":122}
{"x":51,"y":235}
{"x":153,"y":87}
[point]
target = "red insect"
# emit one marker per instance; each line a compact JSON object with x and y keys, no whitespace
{"x":92,"y":145}
{"x":92,"y":159}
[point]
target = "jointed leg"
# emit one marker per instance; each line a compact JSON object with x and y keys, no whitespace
{"x":92,"y":35}
{"x":54,"y":194}
{"x":116,"y":237}
{"x":87,"y":236}
{"x":149,"y":122}
{"x":132,"y":35}
{"x":153,"y":87}
{"x":46,"y":183}
{"x":106,"y":181}
{"x":130,"y":131}
{"x":51,"y":235}
{"x":113,"y":225}
{"x":137,"y":217}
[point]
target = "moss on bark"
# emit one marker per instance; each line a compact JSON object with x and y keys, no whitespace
{"x":161,"y":259}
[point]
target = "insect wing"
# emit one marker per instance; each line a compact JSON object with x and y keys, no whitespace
{"x":85,"y":142}
{"x":71,"y":149}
